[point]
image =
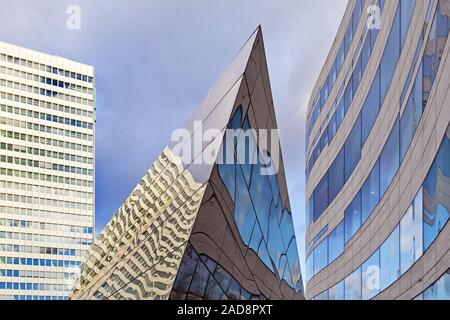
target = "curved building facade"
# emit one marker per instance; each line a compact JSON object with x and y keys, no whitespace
{"x":378,"y":156}
{"x":208,"y":222}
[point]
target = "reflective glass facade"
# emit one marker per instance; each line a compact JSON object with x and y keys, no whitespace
{"x":395,"y":204}
{"x":200,"y":230}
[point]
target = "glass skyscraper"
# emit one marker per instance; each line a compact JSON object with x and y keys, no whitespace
{"x":46,"y":172}
{"x":202,"y":229}
{"x":378,"y":156}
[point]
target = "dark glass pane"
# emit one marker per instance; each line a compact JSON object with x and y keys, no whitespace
{"x":321,"y":197}
{"x":371,"y":107}
{"x":336,"y":176}
{"x":321,"y":256}
{"x":353,"y":149}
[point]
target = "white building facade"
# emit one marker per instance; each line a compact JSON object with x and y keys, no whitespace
{"x":47,"y":201}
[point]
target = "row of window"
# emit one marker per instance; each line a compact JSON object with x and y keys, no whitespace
{"x":399,"y":139}
{"x":39,"y":262}
{"x":50,"y":81}
{"x":46,"y":117}
{"x":347,"y":159}
{"x":45,"y":153}
{"x":375,"y":97}
{"x":46,"y":141}
{"x":30,"y":297}
{"x":47,"y":214}
{"x":45,"y":177}
{"x":328,"y":84}
{"x":45,"y":226}
{"x":440,"y":290}
{"x":46,"y":129}
{"x":45,"y":165}
{"x":46,"y":202}
{"x":344,"y":98}
{"x":41,"y":250}
{"x":36,"y":274}
{"x":52,"y":106}
{"x":419,"y":227}
{"x":264,"y":225}
{"x":35,"y":286}
{"x":41,"y":91}
{"x":45,"y":190}
{"x":44,"y":238}
{"x":46,"y":68}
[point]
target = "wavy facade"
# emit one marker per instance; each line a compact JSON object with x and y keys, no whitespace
{"x":378,"y":151}
{"x":206,"y":230}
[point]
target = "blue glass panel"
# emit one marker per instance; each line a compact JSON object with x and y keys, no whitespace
{"x":390,"y":259}
{"x":353,"y":285}
{"x":336,"y":242}
{"x":353,"y":149}
{"x":352,"y":217}
{"x":410,"y":238}
{"x":336,"y":176}
{"x":435,"y":204}
{"x":244,"y":215}
{"x":390,"y":158}
{"x":371,"y":107}
{"x":370,"y":192}
{"x":390,"y":56}
{"x":321,"y":256}
{"x":406,"y":10}
{"x":371,"y":276}
{"x":336,"y":292}
{"x":321,"y":197}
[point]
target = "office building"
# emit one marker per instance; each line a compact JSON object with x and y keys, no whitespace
{"x":46,"y":172}
{"x":378,"y":150}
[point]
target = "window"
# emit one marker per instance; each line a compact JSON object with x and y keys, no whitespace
{"x":244,"y":215}
{"x":336,"y":176}
{"x":309,"y":267}
{"x":406,"y":9}
{"x":340,"y":58}
{"x":332,"y":128}
{"x":340,"y":113}
{"x":336,"y":292}
{"x":410,"y":118}
{"x":411,"y":235}
{"x":365,"y":54}
{"x":336,"y":242}
{"x":389,"y":159}
{"x":440,"y":290}
{"x":353,"y":285}
{"x":390,"y":259}
{"x":371,"y":276}
{"x":353,"y":149}
{"x":436,"y":210}
{"x":321,"y":197}
{"x":348,"y":38}
{"x":371,"y":192}
{"x":320,"y":256}
{"x":348,"y":95}
{"x":390,"y":57}
{"x":357,"y":75}
{"x":371,"y":107}
{"x":352,"y":217}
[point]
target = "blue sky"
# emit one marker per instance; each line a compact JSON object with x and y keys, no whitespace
{"x":155,"y":60}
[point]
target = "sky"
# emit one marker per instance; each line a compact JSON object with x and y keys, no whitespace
{"x":155,"y":60}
